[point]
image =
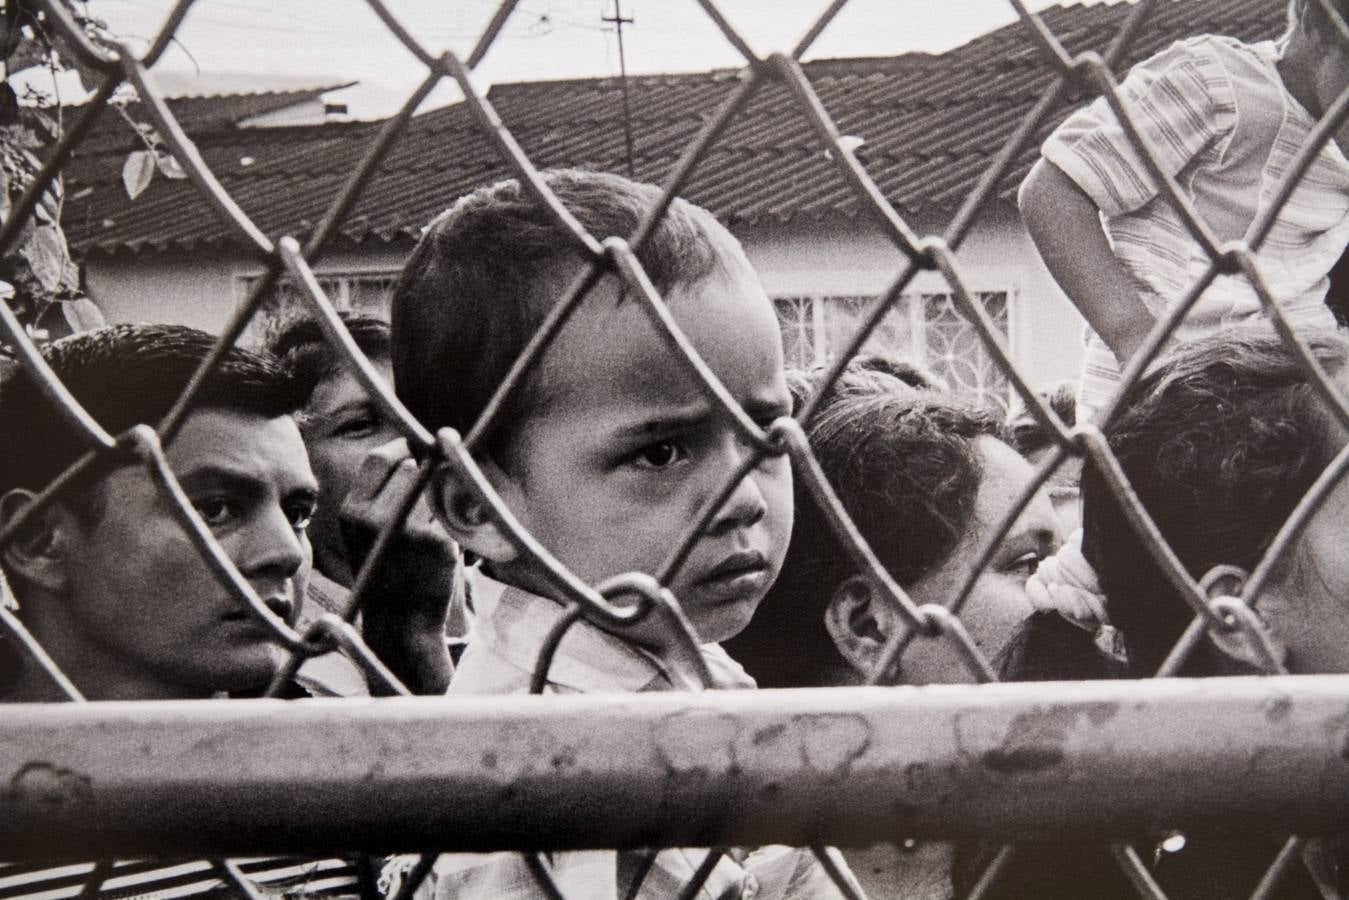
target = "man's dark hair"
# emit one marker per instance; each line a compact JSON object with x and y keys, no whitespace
{"x":124,"y":375}
{"x":488,"y":270}
{"x":1024,"y":431}
{"x":302,"y":346}
{"x":1220,"y":442}
{"x":907,"y":371}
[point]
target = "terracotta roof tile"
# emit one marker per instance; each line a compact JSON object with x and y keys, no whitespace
{"x":929,"y":124}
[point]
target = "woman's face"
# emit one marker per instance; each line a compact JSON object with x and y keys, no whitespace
{"x":998,"y":603}
{"x":1065,"y":488}
{"x":341,"y":425}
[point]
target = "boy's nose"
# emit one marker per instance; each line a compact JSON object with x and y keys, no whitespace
{"x":744,"y":508}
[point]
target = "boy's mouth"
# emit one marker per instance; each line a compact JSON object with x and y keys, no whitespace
{"x":744,"y":571}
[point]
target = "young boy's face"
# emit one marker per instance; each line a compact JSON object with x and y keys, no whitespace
{"x":621,"y":450}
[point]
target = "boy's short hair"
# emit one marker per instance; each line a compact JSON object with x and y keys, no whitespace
{"x":124,"y":375}
{"x":487,"y":271}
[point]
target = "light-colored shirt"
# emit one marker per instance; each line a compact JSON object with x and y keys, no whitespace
{"x":510,"y":628}
{"x":1220,"y":120}
{"x":329,"y":674}
{"x":508,"y":632}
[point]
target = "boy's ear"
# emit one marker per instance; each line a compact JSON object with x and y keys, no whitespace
{"x":39,"y":553}
{"x":467,"y":516}
{"x":859,"y":622}
{"x":1237,"y":647}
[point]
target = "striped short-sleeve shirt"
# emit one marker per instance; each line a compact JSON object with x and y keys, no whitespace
{"x":1216,"y":116}
{"x":272,"y":877}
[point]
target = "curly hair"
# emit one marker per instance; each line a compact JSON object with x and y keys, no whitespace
{"x":1220,"y":444}
{"x":903,"y":461}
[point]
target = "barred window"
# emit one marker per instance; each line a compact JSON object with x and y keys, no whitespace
{"x":923,"y":328}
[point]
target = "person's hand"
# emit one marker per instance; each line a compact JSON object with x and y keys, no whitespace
{"x":420,"y":574}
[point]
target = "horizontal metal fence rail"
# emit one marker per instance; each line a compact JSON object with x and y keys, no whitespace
{"x":851,"y":765}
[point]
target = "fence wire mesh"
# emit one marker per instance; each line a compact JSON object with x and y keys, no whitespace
{"x":1220,"y":604}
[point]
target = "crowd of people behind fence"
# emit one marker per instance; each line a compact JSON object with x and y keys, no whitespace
{"x":612,"y":446}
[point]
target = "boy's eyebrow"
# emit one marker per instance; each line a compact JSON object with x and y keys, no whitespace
{"x":672,"y":419}
{"x":695,"y":414}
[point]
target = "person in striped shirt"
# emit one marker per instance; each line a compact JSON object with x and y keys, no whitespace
{"x":1227,"y":120}
{"x":109,"y":584}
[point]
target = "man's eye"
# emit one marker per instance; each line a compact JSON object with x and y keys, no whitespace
{"x":1024,"y":566}
{"x":215,"y":511}
{"x":362,"y":426}
{"x":301,"y":513}
{"x":659,"y":455}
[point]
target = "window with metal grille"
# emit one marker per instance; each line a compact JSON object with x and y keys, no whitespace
{"x":923,"y":328}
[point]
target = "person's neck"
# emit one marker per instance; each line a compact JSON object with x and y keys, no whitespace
{"x":96,"y":673}
{"x":1298,"y":73}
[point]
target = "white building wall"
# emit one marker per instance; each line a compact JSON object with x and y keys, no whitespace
{"x":831,"y":259}
{"x":200,"y":289}
{"x":853,"y":257}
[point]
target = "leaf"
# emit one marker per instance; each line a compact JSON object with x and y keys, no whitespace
{"x":49,"y":260}
{"x":82,"y":314}
{"x":137,"y":171}
{"x":169,"y":165}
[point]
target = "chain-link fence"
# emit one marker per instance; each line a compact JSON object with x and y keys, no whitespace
{"x":544,"y":774}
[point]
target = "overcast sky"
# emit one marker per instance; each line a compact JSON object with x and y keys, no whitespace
{"x":257,"y":44}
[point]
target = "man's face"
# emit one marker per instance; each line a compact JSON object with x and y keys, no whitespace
{"x":624,"y":450}
{"x":341,"y":426}
{"x":152,"y":619}
{"x":1307,"y":604}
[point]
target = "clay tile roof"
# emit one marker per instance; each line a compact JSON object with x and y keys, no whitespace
{"x":929,"y":125}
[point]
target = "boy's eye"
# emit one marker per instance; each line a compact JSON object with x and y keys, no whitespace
{"x":659,"y":455}
{"x":215,"y":511}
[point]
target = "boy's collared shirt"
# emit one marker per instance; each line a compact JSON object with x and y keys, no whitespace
{"x":500,"y":659}
{"x":509,"y":630}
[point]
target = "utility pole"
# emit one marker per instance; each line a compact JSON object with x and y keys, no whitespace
{"x":618,"y":22}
